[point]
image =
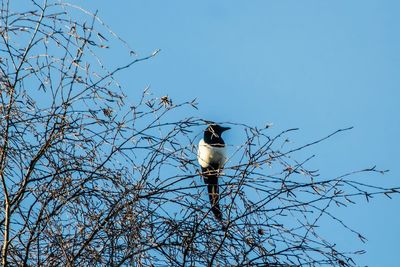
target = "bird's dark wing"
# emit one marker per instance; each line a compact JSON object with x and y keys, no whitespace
{"x":211,"y":179}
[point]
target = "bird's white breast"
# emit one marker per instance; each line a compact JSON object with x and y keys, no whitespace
{"x":210,"y":155}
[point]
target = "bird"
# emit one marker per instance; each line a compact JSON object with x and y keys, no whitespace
{"x":211,"y":156}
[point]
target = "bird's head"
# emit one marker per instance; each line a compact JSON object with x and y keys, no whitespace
{"x":214,"y":131}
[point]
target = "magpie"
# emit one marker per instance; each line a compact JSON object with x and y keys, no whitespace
{"x":211,"y":156}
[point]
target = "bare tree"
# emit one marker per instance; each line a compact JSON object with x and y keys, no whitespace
{"x":90,"y":179}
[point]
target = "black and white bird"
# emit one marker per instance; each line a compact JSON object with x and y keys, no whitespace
{"x":211,"y":155}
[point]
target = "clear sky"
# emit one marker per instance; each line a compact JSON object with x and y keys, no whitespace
{"x":317,"y":65}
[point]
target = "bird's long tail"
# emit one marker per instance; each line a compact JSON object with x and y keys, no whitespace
{"x":211,"y":179}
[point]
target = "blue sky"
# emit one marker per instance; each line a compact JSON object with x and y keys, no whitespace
{"x":316,"y":65}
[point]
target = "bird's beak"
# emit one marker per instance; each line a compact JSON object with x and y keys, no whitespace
{"x":225,"y":129}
